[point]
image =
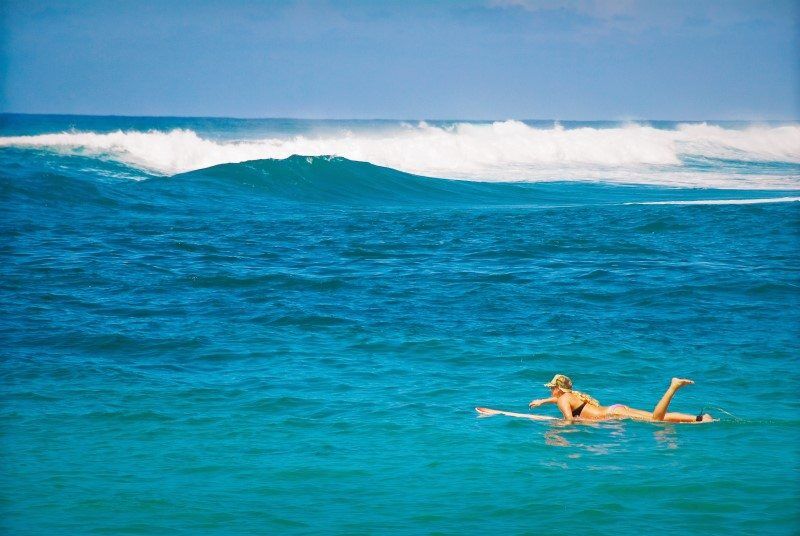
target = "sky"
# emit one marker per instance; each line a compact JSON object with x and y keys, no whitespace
{"x":468,"y":59}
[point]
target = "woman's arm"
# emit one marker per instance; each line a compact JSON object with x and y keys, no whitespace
{"x":540,"y":401}
{"x":563,"y":405}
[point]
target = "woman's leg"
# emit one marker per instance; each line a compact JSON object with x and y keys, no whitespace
{"x":660,"y":412}
{"x":621,"y":412}
{"x":679,"y":417}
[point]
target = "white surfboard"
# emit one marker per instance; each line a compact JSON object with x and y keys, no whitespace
{"x":486,"y":412}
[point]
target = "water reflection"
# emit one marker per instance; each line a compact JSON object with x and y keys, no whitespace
{"x":667,"y":436}
{"x":558,"y":436}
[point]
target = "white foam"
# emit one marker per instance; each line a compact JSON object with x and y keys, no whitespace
{"x":500,"y":151}
{"x":720,"y":201}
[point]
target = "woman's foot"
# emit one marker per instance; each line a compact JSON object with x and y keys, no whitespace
{"x":677,"y":383}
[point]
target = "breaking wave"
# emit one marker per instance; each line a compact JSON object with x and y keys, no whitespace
{"x":688,"y":155}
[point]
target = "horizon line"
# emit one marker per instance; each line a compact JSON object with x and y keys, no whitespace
{"x":285,"y":118}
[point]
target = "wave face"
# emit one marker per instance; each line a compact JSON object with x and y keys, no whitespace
{"x":328,"y":181}
{"x":664,"y":154}
{"x":332,"y":180}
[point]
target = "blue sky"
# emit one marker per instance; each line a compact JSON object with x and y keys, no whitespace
{"x":478,"y":59}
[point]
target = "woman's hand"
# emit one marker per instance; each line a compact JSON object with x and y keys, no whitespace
{"x":539,"y":401}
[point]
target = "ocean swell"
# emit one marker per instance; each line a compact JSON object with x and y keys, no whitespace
{"x":331,"y":180}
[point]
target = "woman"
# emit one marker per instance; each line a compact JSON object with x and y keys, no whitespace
{"x":574,"y":404}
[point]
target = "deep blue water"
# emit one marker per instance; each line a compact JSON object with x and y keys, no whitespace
{"x":297,"y":345}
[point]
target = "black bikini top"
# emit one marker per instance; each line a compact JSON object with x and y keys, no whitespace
{"x":577,"y":411}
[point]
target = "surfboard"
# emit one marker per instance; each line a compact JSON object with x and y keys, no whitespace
{"x":487,"y":412}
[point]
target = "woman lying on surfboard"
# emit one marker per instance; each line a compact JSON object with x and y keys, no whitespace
{"x":574,"y":404}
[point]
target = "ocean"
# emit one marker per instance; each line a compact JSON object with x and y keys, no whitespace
{"x":230,"y":326}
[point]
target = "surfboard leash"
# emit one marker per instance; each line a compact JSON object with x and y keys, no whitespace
{"x":702,"y":412}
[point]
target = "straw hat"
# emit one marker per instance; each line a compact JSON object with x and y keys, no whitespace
{"x":560,"y":381}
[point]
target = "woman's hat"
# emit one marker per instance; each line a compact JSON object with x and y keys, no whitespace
{"x":560,"y":381}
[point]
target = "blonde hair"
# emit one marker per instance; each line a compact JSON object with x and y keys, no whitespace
{"x":586,"y":398}
{"x":565,"y":384}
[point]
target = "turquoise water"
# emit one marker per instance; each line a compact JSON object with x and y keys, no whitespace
{"x":296,"y":345}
